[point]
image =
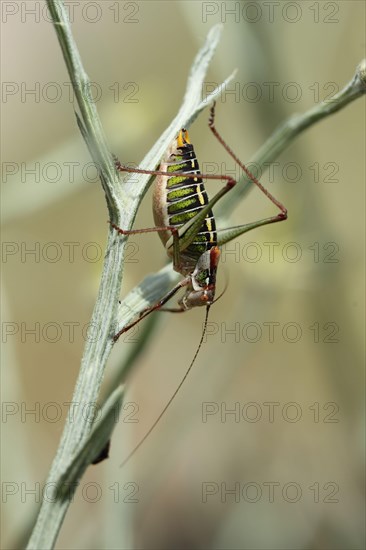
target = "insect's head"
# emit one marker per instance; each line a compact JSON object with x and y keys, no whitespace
{"x":203,"y":280}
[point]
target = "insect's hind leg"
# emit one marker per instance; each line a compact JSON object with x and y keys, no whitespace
{"x":283,"y":210}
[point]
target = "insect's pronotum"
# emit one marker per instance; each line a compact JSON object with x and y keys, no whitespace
{"x":186,"y":225}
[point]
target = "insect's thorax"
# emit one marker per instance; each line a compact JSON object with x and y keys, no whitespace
{"x":177,"y":199}
{"x":202,"y":286}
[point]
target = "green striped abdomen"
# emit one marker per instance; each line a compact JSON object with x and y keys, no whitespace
{"x":185,"y":197}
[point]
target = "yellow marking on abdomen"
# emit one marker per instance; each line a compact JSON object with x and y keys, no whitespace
{"x":209,"y":229}
{"x":201,"y":198}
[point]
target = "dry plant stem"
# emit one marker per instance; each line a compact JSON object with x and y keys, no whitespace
{"x":122,"y":201}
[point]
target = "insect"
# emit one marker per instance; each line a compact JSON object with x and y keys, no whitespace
{"x":186,"y":225}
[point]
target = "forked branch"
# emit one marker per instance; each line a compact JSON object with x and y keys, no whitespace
{"x":122,"y":206}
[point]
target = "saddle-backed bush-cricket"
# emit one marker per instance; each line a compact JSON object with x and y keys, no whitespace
{"x":186,"y":225}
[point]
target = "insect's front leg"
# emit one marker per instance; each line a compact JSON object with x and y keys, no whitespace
{"x":184,"y":282}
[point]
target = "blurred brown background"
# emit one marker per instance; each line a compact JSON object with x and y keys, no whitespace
{"x":293,"y":367}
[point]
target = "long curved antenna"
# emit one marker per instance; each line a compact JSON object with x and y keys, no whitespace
{"x":224,"y":290}
{"x":172,"y":397}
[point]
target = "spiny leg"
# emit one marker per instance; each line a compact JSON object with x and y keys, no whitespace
{"x":184,"y":282}
{"x":171,"y":228}
{"x":283,"y":214}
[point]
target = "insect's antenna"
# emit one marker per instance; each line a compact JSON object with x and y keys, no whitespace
{"x":174,"y":394}
{"x":222,"y":293}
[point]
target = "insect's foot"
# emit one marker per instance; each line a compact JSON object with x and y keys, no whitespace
{"x":231,"y":183}
{"x":212,"y":115}
{"x":118,"y":229}
{"x":117,"y":163}
{"x":116,"y":336}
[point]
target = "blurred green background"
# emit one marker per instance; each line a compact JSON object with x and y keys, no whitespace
{"x":292,"y":366}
